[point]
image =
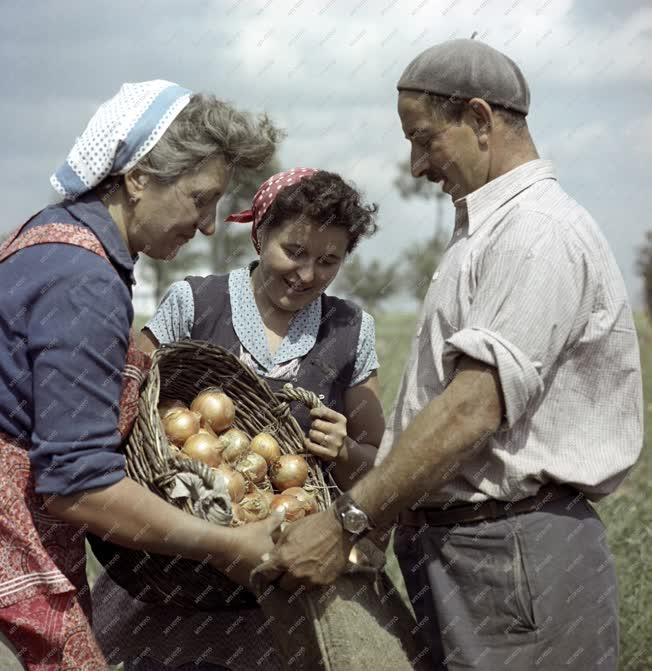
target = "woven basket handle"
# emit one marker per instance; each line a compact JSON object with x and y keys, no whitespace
{"x":291,"y":393}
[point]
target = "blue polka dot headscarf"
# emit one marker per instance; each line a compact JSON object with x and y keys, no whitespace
{"x":119,"y":134}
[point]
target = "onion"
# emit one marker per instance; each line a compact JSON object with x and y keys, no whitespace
{"x":235,"y":445}
{"x":236,"y":515}
{"x":308,"y":500}
{"x":267,"y":495}
{"x":216,"y":408}
{"x":289,"y":470}
{"x":267,"y":446}
{"x":235,"y":483}
{"x":168,"y":405}
{"x":253,"y":507}
{"x":253,"y":467}
{"x":205,"y":426}
{"x":179,"y":425}
{"x":203,"y":447}
{"x":290,"y":506}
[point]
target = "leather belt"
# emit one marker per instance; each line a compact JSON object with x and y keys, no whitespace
{"x":484,"y":510}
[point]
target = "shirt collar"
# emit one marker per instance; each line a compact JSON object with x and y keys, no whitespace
{"x":91,"y":211}
{"x":476,"y":207}
{"x":248,"y":324}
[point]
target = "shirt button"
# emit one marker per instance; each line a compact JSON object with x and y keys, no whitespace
{"x":436,"y":275}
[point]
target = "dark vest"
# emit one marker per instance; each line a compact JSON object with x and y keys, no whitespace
{"x":327,"y":369}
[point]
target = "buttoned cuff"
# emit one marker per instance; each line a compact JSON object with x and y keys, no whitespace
{"x":520,"y":377}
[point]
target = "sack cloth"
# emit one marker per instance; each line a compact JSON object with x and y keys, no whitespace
{"x":359,"y":622}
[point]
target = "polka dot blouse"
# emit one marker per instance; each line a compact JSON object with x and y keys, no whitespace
{"x":175,"y":316}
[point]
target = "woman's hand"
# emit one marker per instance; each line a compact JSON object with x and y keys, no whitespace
{"x":328,"y":433}
{"x":246,"y":546}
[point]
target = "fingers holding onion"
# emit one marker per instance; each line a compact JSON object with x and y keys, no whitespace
{"x":290,"y":506}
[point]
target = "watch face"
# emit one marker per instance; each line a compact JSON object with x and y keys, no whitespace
{"x":355,"y":521}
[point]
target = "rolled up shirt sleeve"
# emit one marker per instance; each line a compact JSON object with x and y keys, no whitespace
{"x":531,"y":293}
{"x":78,"y":333}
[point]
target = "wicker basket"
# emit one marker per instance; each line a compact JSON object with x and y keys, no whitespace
{"x":181,"y":370}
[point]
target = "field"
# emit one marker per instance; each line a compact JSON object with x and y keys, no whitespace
{"x":627,"y":514}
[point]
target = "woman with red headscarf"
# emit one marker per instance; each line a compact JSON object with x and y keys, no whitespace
{"x":276,"y":316}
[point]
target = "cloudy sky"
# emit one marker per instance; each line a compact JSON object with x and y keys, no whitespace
{"x":326,"y":71}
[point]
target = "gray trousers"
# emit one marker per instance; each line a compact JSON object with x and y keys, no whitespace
{"x":532,"y":591}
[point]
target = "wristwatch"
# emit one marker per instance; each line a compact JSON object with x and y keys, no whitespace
{"x":351,"y":517}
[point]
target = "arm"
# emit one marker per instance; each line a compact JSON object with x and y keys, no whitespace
{"x":314,"y":551}
{"x":131,"y":516}
{"x":447,"y":430}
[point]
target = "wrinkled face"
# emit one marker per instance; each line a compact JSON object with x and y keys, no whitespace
{"x":445,"y":153}
{"x":168,"y":215}
{"x":299,"y":259}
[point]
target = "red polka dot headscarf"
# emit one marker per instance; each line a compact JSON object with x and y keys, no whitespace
{"x":265,"y":196}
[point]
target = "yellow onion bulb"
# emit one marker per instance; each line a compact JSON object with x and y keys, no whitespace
{"x":267,"y":446}
{"x":289,"y":470}
{"x":205,"y":426}
{"x":253,"y":507}
{"x":235,"y":445}
{"x":168,"y":405}
{"x":236,"y":515}
{"x":203,"y":447}
{"x":290,"y":506}
{"x":253,"y":467}
{"x":235,"y":483}
{"x":308,"y":500}
{"x":216,"y":408}
{"x":179,"y":425}
{"x":267,"y":495}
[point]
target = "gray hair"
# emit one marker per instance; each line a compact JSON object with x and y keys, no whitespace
{"x":210,"y":127}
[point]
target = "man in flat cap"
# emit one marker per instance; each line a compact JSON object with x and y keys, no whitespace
{"x":521,"y":400}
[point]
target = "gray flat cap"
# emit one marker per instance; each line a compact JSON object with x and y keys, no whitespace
{"x":468,"y":69}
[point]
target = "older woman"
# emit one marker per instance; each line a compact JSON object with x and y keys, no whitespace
{"x":145,"y":175}
{"x":276,"y":316}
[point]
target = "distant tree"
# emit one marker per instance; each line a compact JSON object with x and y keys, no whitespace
{"x":231,"y":243}
{"x":420,"y":262}
{"x":368,"y":283}
{"x":160,"y":274}
{"x":409,"y":187}
{"x":644,"y":268}
{"x":421,"y":259}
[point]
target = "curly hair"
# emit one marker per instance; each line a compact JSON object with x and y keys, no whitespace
{"x":328,"y":199}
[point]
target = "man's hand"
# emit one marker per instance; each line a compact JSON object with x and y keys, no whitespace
{"x":311,"y":552}
{"x":328,"y":433}
{"x":247,"y":546}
